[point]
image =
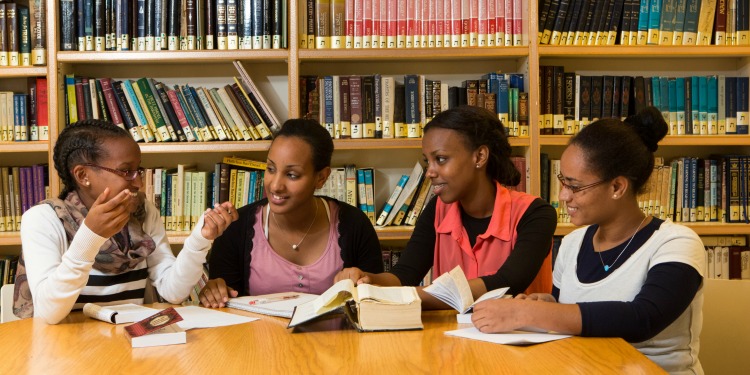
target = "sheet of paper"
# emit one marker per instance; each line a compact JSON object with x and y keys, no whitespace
{"x":199,"y":317}
{"x":510,"y":338}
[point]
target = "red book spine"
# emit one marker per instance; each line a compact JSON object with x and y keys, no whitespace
{"x":38,"y":183}
{"x":509,"y":23}
{"x":80,"y":108}
{"x":393,"y":7}
{"x":465,"y":22}
{"x":491,"y":22}
{"x":350,"y":24}
{"x":410,"y":17}
{"x":500,"y":20}
{"x":376,"y":20}
{"x":109,"y":97}
{"x":367,"y":22}
{"x":42,"y":109}
{"x":474,"y":23}
{"x":439,"y":22}
{"x":720,"y":24}
{"x":358,"y":23}
{"x":402,"y":21}
{"x":456,"y":23}
{"x":432,"y":24}
{"x":426,"y":24}
{"x":517,"y":23}
{"x":383,"y":22}
{"x":483,"y":23}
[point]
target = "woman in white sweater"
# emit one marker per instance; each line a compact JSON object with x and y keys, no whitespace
{"x":100,"y":241}
{"x":625,"y":274}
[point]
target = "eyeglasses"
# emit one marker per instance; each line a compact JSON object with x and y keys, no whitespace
{"x":576,"y":189}
{"x":128,"y":175}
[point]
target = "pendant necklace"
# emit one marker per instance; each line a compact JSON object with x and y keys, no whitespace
{"x":608,"y":266}
{"x":296,"y":246}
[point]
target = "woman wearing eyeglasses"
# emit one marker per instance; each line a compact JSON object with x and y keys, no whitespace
{"x":624,"y":274}
{"x":99,"y":240}
{"x":499,"y":237}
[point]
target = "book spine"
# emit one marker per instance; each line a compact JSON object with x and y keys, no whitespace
{"x":128,"y":117}
{"x":356,"y":106}
{"x":411,"y":102}
{"x":392,"y":200}
{"x":42,"y":109}
{"x":138,"y":113}
{"x":180,"y":115}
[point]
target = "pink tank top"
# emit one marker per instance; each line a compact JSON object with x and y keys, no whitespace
{"x":271,"y":273}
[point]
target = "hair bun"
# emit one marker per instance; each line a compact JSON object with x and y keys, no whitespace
{"x":650,"y":126}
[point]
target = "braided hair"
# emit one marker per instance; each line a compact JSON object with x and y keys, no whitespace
{"x":79,"y":143}
{"x":480,"y":127}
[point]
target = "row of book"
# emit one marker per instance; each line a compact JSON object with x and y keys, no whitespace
{"x":20,"y":189}
{"x":687,"y":189}
{"x":23,"y":33}
{"x":727,"y":257}
{"x":642,"y":22}
{"x":153,"y":25}
{"x":8,"y":265}
{"x":24,"y":116}
{"x":154,"y":112}
{"x":375,"y":106}
{"x":695,"y":105}
{"x":410,"y":23}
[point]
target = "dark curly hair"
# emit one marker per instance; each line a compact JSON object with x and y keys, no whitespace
{"x":623,"y":148}
{"x":79,"y":143}
{"x":480,"y":127}
{"x":314,"y":135}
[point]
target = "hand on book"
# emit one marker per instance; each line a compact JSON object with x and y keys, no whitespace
{"x":216,"y":293}
{"x":544,"y":297}
{"x":354,"y":274}
{"x":218,"y":219}
{"x":497,"y":315}
{"x":107,"y":217}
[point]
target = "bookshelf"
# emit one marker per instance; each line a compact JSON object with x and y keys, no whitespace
{"x":278,"y":73}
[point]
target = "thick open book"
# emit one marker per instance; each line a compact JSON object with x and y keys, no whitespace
{"x":367,"y":307}
{"x":453,"y":289}
{"x":277,"y":304}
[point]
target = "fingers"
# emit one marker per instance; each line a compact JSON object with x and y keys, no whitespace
{"x":523,"y":296}
{"x":365,"y":279}
{"x":215,"y":293}
{"x":218,"y":219}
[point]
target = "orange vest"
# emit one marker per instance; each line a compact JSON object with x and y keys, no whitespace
{"x":492,"y":248}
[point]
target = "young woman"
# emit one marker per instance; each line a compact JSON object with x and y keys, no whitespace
{"x":499,"y":237}
{"x":292,"y":240}
{"x":625,"y":274}
{"x":100,"y":241}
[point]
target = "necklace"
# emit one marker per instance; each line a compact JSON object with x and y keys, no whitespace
{"x":296,"y":246}
{"x":608,"y":266}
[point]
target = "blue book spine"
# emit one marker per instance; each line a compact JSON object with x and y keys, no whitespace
{"x":654,"y":21}
{"x":655,"y":93}
{"x":195,"y":109}
{"x":680,"y":104}
{"x":188,"y":113}
{"x":137,"y":110}
{"x":23,"y":105}
{"x":370,"y":202}
{"x":643,"y":21}
{"x":123,"y":20}
{"x":362,"y":197}
{"x":742,"y":105}
{"x":140,"y":32}
{"x":328,"y":105}
{"x":712,"y":107}
{"x":516,"y":81}
{"x":88,"y":24}
{"x":695,"y":105}
{"x":703,"y":105}
{"x":392,"y":200}
{"x":672,"y":121}
{"x":251,"y":195}
{"x":664,"y":100}
{"x":503,"y":103}
{"x":690,"y":28}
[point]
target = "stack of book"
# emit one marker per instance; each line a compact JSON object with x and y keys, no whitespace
{"x":410,"y":23}
{"x":727,"y":257}
{"x":694,"y":105}
{"x":376,"y":106}
{"x":23,"y":33}
{"x":20,"y":189}
{"x":641,"y":22}
{"x":24,"y":116}
{"x":154,"y":112}
{"x":153,"y":25}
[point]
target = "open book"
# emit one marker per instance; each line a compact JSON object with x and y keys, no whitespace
{"x":367,"y":307}
{"x":118,"y":314}
{"x":453,"y":289}
{"x":277,"y":304}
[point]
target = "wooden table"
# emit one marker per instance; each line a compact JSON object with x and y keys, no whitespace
{"x":85,"y":346}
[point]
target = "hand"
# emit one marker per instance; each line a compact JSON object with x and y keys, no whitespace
{"x":354,"y":274}
{"x":107,"y":216}
{"x":498,"y":315}
{"x":216,"y":293}
{"x":544,"y":297}
{"x":217,"y":220}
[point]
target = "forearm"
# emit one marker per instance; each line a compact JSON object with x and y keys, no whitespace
{"x":551,"y":316}
{"x":174,"y":278}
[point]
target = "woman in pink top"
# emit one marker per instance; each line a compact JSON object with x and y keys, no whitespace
{"x":291,"y":241}
{"x":499,"y":237}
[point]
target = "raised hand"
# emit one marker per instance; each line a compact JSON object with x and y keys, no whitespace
{"x":217,"y":220}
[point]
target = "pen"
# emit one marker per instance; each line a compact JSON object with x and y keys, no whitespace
{"x":261,"y":301}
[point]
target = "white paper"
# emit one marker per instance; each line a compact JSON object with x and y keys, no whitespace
{"x":199,"y":317}
{"x":283,"y":308}
{"x":510,"y":338}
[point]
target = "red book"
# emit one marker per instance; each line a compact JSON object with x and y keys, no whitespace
{"x":484,"y":26}
{"x":154,"y":322}
{"x":465,"y":22}
{"x":349,"y":23}
{"x":367,"y":32}
{"x":42,"y":109}
{"x":180,"y":113}
{"x":382,"y":22}
{"x":500,"y":21}
{"x":720,"y":24}
{"x":376,"y":19}
{"x":517,"y":23}
{"x":359,"y":23}
{"x":80,"y":107}
{"x":474,"y":23}
{"x":432,"y":34}
{"x":491,"y":22}
{"x":410,"y":19}
{"x":440,"y":22}
{"x":402,"y":21}
{"x":392,"y":22}
{"x":109,"y":98}
{"x":509,"y":22}
{"x":455,"y":23}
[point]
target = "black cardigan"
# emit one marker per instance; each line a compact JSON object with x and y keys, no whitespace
{"x":230,"y":254}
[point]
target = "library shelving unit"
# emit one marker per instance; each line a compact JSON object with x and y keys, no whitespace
{"x":278,"y":72}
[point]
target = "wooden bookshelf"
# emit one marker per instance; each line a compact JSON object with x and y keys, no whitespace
{"x":394,"y":154}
